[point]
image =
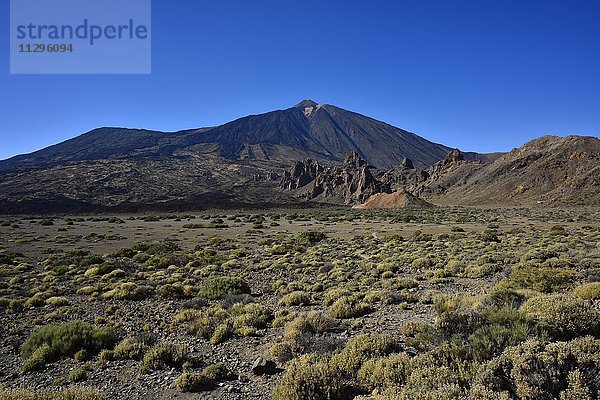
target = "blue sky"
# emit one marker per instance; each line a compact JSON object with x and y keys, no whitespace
{"x":478,"y":75}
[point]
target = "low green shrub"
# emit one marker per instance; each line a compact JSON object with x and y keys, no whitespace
{"x":57,"y":301}
{"x":431,"y":383}
{"x":386,"y":372}
{"x":253,"y":315}
{"x":311,"y":237}
{"x":192,"y":382}
{"x":78,"y":375}
{"x":38,"y":359}
{"x":297,"y":298}
{"x":490,"y":340}
{"x":419,"y":335}
{"x":222,"y":332}
{"x":128,"y":291}
{"x":220,"y":287}
{"x":165,"y":355}
{"x":130,"y":349}
{"x":482,"y":271}
{"x":216,"y":372}
{"x":333,"y":294}
{"x":313,"y":322}
{"x":173,"y":291}
{"x":503,"y":298}
{"x":348,"y":307}
{"x":542,"y":279}
{"x":588,"y":291}
{"x":538,"y":370}
{"x":422,"y":263}
{"x":66,"y":340}
{"x":564,"y":316}
{"x":66,"y":394}
{"x":444,"y":302}
{"x":362,"y":348}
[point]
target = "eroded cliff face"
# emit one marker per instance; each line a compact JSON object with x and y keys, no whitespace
{"x":301,"y":174}
{"x":352,"y":182}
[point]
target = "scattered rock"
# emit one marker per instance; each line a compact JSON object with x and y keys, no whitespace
{"x":262,"y":366}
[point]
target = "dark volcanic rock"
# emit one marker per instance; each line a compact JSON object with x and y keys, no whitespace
{"x":301,"y":174}
{"x":262,"y":366}
{"x":407,"y":163}
{"x":352,"y":182}
{"x":355,"y":180}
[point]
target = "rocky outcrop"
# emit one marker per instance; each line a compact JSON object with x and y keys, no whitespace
{"x":548,"y":170}
{"x":352,"y":182}
{"x":405,"y":177}
{"x":349,"y":183}
{"x":453,"y":160}
{"x":355,"y":181}
{"x":301,"y":174}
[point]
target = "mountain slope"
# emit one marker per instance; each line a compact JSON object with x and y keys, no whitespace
{"x":101,"y":143}
{"x":547,"y":170}
{"x":308,"y":129}
{"x":320,"y":131}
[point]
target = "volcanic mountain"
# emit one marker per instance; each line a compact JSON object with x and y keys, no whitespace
{"x":245,"y":163}
{"x":232,"y":164}
{"x":318,"y":131}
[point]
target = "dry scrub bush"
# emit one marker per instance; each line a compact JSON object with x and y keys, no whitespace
{"x":310,"y":377}
{"x":127,"y":349}
{"x":349,"y":307}
{"x":385,"y":372}
{"x":216,"y":372}
{"x":192,"y":382}
{"x":128,"y":291}
{"x":564,"y":316}
{"x":536,"y":370}
{"x":165,"y":355}
{"x":296,"y":298}
{"x":312,"y":322}
{"x":219,"y":324}
{"x":66,"y":394}
{"x":588,"y":291}
{"x":362,"y":348}
{"x":542,"y":279}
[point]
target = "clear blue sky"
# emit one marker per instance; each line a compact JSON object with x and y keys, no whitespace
{"x":478,"y":75}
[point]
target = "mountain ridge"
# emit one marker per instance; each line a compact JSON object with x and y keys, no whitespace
{"x":242,"y":162}
{"x":327,"y":133}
